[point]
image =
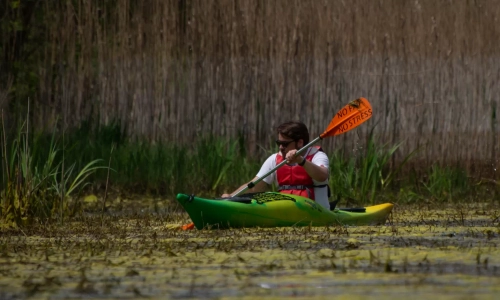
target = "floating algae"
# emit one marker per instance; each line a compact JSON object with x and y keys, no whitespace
{"x":451,"y":253}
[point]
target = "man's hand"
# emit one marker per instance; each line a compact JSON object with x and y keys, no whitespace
{"x":292,"y":159}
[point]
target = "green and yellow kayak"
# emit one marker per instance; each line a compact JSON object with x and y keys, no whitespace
{"x":275,"y":210}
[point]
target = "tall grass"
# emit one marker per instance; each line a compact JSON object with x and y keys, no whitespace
{"x":207,"y":165}
{"x":445,"y":183}
{"x":171,"y":69}
{"x":370,"y":175}
{"x":168,"y":169}
{"x":34,"y":185}
{"x":363,"y":176}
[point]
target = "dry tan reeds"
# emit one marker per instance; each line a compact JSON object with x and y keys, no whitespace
{"x":172,"y":70}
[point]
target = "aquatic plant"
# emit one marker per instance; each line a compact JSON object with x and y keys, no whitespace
{"x":364,"y":175}
{"x":37,"y":183}
{"x":445,"y":183}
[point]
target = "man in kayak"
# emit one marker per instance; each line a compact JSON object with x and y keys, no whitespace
{"x":305,"y":175}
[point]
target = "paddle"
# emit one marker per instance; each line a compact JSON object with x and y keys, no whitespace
{"x":349,"y":117}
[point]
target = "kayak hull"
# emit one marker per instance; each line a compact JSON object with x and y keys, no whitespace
{"x":275,"y":210}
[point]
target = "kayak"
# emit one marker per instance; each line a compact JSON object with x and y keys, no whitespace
{"x":271,"y":209}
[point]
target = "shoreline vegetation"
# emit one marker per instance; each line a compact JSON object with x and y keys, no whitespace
{"x":135,"y":97}
{"x":49,"y":177}
{"x":174,"y":70}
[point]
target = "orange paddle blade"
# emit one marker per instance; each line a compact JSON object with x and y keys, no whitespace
{"x":349,"y":117}
{"x":188,"y":226}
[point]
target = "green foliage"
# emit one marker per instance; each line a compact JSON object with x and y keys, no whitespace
{"x":41,"y":178}
{"x":35,"y":183}
{"x":65,"y":182}
{"x":444,"y":183}
{"x":408,"y":195}
{"x":213,"y":159}
{"x":207,"y":166}
{"x":361,"y":177}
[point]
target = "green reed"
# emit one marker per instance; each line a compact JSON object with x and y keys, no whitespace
{"x":445,"y":183}
{"x":363,"y":176}
{"x":37,"y":182}
{"x":208,"y":165}
{"x":205,"y":166}
{"x":371,"y":175}
{"x":45,"y":175}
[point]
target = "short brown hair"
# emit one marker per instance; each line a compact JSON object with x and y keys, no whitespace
{"x":294,"y":130}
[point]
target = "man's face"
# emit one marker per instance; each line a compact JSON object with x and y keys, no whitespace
{"x":286,"y":144}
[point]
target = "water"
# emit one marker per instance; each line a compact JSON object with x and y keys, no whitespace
{"x":450,"y":253}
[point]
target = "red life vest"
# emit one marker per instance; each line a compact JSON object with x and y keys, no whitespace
{"x":294,"y":179}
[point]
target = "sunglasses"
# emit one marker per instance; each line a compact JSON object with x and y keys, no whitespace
{"x":284,"y":143}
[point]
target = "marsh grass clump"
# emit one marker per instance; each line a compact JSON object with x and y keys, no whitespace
{"x":362,"y":176}
{"x":37,"y":181}
{"x":206,"y":166}
{"x":446,"y":184}
{"x":43,"y":176}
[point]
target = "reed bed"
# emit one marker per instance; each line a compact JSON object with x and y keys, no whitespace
{"x":174,"y":70}
{"x":45,"y":178}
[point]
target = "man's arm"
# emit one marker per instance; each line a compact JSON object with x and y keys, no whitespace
{"x":261,"y":186}
{"x":318,"y":173}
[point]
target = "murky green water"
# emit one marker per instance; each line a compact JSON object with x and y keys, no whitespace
{"x":446,"y":254}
